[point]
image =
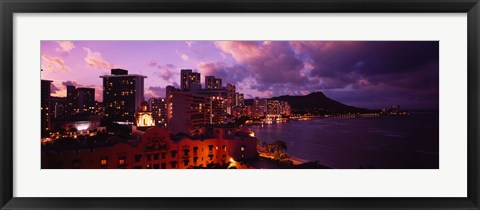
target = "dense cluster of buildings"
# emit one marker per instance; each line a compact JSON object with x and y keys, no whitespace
{"x":60,"y":112}
{"x":265,"y":108}
{"x":156,"y":148}
{"x":201,"y":116}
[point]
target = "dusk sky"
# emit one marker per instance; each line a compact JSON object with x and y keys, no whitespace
{"x":360,"y":73}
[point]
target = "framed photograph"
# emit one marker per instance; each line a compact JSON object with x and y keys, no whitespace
{"x":239,"y":105}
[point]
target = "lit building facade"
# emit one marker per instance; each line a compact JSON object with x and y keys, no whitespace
{"x":158,"y":106}
{"x":71,"y":100}
{"x":144,"y":116}
{"x":239,"y":99}
{"x":85,"y":100}
{"x":122,"y":95}
{"x":259,"y":107}
{"x":189,"y":80}
{"x":84,"y":125}
{"x":273,"y":107}
{"x":216,"y":110}
{"x":186,"y":112}
{"x":230,"y":97}
{"x":284,"y":108}
{"x":99,"y":108}
{"x":156,"y":150}
{"x":211,"y":82}
{"x":45,"y":107}
{"x":240,"y":111}
{"x":80,"y":100}
{"x":58,"y":107}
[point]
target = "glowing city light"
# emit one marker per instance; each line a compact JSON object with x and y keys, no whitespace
{"x":81,"y":126}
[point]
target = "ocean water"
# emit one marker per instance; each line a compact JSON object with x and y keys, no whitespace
{"x":386,"y":142}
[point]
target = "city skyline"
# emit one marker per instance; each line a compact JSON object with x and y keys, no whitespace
{"x":363,"y":74}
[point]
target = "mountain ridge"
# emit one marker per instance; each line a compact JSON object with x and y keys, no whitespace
{"x":316,"y":103}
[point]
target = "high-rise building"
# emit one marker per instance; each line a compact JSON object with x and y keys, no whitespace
{"x":71,"y":100}
{"x":122,"y":95}
{"x":86,"y":100}
{"x":211,"y":82}
{"x":58,"y":107}
{"x":216,"y":102}
{"x":158,"y":107}
{"x":186,"y":112}
{"x":259,"y":107}
{"x":189,"y":80}
{"x":45,"y":107}
{"x":273,"y":107}
{"x":239,"y":98}
{"x":285,"y":108}
{"x":80,"y":100}
{"x":216,"y":110}
{"x":230,"y":97}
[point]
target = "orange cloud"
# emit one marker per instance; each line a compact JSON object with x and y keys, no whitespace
{"x":53,"y":64}
{"x":95,"y":60}
{"x":65,"y":46}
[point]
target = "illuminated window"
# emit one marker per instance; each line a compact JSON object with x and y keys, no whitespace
{"x":122,"y":160}
{"x":103,"y":161}
{"x":242,"y":148}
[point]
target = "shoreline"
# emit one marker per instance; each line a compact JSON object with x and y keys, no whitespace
{"x":297,"y":161}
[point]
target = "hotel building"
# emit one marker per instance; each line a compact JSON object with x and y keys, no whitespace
{"x":186,"y":112}
{"x":156,"y":149}
{"x":122,"y":95}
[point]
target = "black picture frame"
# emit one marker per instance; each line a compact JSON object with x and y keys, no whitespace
{"x":10,"y":7}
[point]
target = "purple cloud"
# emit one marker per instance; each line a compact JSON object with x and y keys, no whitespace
{"x":70,"y":83}
{"x":229,"y":74}
{"x":151,"y":63}
{"x":54,"y":89}
{"x":155,"y":92}
{"x":268,"y":62}
{"x":166,"y":72}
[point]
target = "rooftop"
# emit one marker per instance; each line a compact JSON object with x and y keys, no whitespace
{"x":126,"y":75}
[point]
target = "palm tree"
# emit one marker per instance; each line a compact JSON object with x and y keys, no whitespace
{"x":280,"y":147}
{"x":264,"y":144}
{"x":270,"y":148}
